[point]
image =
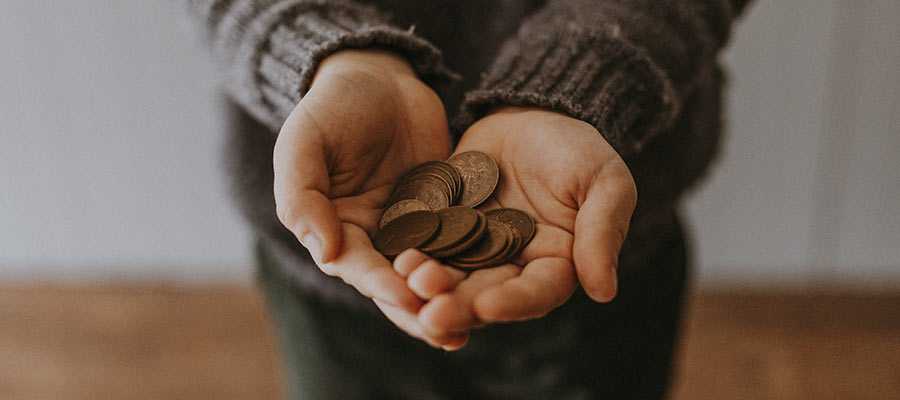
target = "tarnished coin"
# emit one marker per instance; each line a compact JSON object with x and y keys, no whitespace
{"x":439,"y":169}
{"x":480,"y":175}
{"x":435,"y":196}
{"x":454,"y":179}
{"x":423,"y":167}
{"x":456,"y":225}
{"x":495,"y":243}
{"x":515,"y":246}
{"x":428,"y":189}
{"x":518,"y":220}
{"x":399,"y":208}
{"x":473,"y":237}
{"x":406,"y":231}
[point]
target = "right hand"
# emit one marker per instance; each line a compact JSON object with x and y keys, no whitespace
{"x":365,"y":121}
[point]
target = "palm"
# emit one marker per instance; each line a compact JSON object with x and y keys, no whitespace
{"x":365,"y":121}
{"x":550,"y":164}
{"x":404,"y":126}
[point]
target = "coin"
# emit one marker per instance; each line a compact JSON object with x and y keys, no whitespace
{"x":441,"y":169}
{"x":515,"y":246}
{"x":428,"y":187}
{"x":419,"y":214}
{"x":495,"y":243}
{"x":406,"y":231}
{"x":456,"y":225}
{"x":427,"y":190}
{"x":518,"y":220}
{"x":454,"y":179}
{"x":474,"y":237}
{"x":480,"y":175}
{"x":399,"y":208}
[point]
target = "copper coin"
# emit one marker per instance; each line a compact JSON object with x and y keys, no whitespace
{"x":480,"y":175}
{"x":427,"y":189}
{"x":448,"y":174}
{"x":508,"y":252}
{"x":456,"y":225}
{"x":473,"y":237}
{"x":406,"y":231}
{"x":495,"y":242}
{"x":451,"y":174}
{"x":518,"y":220}
{"x":440,"y":168}
{"x":515,"y":246}
{"x":425,"y":166}
{"x":399,"y":208}
{"x":446,"y":183}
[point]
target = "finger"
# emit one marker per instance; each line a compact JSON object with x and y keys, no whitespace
{"x":545,"y":284}
{"x":302,"y":187}
{"x":456,"y":343}
{"x":362,"y":267}
{"x":432,"y":278}
{"x":425,"y":276}
{"x":403,"y":319}
{"x":452,"y":312}
{"x":600,"y":229}
{"x":407,"y":261}
{"x":408,"y":323}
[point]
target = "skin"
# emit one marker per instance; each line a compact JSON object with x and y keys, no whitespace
{"x":367,"y":119}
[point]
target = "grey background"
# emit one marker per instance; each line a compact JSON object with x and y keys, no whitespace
{"x":110,"y":149}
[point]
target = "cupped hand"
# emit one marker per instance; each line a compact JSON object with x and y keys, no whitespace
{"x":366,"y":120}
{"x":582,"y":195}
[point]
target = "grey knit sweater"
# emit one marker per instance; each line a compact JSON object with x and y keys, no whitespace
{"x":643,"y":72}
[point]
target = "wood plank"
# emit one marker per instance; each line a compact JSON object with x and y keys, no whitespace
{"x":157,"y":341}
{"x":136,"y":342}
{"x":782,"y":346}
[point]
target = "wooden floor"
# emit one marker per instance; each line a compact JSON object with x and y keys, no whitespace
{"x":158,"y":342}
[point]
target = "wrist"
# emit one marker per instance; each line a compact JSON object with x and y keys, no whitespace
{"x":508,"y":112}
{"x":377,"y":62}
{"x":507,"y":109}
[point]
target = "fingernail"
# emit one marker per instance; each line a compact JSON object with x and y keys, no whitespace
{"x":313,"y":245}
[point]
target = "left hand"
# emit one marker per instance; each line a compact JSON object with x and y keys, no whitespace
{"x":562,"y":172}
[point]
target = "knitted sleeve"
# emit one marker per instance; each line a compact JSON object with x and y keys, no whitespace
{"x":624,"y":66}
{"x":268,"y":50}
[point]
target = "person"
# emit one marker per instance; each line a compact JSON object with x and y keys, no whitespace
{"x":600,"y":114}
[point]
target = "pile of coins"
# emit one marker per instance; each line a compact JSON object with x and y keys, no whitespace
{"x":432,"y":209}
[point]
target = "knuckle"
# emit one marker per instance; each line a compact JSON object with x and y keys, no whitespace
{"x":329,"y":269}
{"x":285,"y":214}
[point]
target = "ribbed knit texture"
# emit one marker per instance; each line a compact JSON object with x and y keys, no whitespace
{"x":624,"y":66}
{"x":643,"y":72}
{"x":594,"y":76}
{"x":269,"y":50}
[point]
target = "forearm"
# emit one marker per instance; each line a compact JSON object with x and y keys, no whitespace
{"x":269,"y":51}
{"x":623,"y":66}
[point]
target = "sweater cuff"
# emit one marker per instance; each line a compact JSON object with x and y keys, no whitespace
{"x":312,"y":31}
{"x":595,"y":76}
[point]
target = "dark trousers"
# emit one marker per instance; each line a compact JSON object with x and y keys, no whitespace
{"x":583,"y":350}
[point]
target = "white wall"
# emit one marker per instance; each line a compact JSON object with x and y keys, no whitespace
{"x":109,"y":165}
{"x":110,"y":143}
{"x":808,"y":189}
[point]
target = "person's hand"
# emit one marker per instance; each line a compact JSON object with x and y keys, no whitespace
{"x":366,"y":120}
{"x":562,"y":172}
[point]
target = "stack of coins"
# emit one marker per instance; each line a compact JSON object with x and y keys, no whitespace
{"x":432,"y":209}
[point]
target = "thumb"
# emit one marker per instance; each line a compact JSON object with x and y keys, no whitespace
{"x":302,"y":186}
{"x":600,"y":229}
